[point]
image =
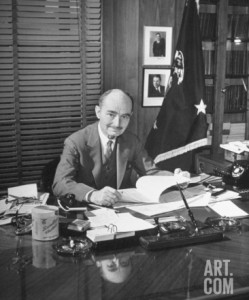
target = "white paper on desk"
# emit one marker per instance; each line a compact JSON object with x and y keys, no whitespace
{"x":4,"y":206}
{"x":27,"y":190}
{"x":149,"y":188}
{"x":6,"y":221}
{"x":227,"y":195}
{"x":160,"y":208}
{"x":123,"y":221}
{"x":23,"y":209}
{"x":228,"y":209}
{"x":102,"y":217}
{"x":126,"y":222}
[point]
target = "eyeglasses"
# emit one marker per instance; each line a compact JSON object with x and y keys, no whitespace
{"x":20,"y":200}
{"x":23,"y":222}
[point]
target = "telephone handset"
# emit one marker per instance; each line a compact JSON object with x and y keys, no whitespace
{"x":237,"y":174}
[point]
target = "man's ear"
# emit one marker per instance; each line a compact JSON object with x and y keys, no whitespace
{"x":98,"y":264}
{"x":97,"y":111}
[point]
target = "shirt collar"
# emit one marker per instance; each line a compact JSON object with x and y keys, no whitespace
{"x":103,"y":138}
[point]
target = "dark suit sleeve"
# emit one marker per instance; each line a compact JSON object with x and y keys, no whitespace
{"x":66,"y":174}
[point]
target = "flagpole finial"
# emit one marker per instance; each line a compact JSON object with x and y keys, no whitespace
{"x":198,"y":5}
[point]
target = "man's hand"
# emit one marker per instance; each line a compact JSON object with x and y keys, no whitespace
{"x":106,"y":196}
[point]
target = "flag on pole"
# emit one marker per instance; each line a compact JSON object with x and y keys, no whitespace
{"x":181,"y":124}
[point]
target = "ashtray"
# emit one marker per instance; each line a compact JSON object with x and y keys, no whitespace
{"x":224,"y":223}
{"x":171,"y":225}
{"x":73,"y":247}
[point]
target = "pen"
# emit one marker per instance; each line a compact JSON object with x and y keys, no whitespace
{"x":218,"y":192}
{"x":187,"y":206}
{"x":99,"y":206}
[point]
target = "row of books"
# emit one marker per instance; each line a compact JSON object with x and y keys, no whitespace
{"x":235,"y":98}
{"x":231,"y":132}
{"x":208,"y":26}
{"x":209,"y":62}
{"x":236,"y":62}
{"x":238,"y":26}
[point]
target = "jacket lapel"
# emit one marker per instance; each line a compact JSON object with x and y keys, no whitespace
{"x":121,"y":159}
{"x":94,"y":150}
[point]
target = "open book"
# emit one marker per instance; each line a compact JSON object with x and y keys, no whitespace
{"x":149,"y":189}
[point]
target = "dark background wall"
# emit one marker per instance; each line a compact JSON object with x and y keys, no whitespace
{"x":123,"y":27}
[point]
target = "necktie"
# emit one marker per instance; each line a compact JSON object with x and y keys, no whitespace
{"x":108,"y":151}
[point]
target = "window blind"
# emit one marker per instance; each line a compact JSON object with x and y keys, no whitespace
{"x":54,"y":81}
{"x":8,"y":142}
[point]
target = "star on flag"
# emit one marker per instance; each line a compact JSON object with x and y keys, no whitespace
{"x":201,"y":107}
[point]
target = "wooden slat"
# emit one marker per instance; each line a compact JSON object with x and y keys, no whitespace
{"x":8,"y":149}
{"x":50,"y":78}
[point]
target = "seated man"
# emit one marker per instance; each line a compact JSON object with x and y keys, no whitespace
{"x":91,"y":168}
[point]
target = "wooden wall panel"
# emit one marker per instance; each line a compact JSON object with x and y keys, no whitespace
{"x":123,"y":27}
{"x":120,"y":46}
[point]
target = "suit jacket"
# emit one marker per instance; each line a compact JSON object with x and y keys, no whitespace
{"x":155,"y":93}
{"x":159,"y":48}
{"x":79,"y":169}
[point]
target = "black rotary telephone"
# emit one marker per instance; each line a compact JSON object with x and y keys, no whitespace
{"x":237,"y":174}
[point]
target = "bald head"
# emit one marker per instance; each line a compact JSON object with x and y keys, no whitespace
{"x":116,"y":94}
{"x":114,"y":112}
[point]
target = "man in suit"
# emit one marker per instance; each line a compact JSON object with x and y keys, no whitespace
{"x":89,"y":169}
{"x":155,"y":88}
{"x":159,"y":45}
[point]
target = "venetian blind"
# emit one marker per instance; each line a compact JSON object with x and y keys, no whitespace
{"x":52,"y":81}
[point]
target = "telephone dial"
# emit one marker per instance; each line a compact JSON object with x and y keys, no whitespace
{"x":236,"y":175}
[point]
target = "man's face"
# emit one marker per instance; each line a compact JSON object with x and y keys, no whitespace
{"x":158,"y":37}
{"x":156,"y":82}
{"x":114,"y":114}
{"x":116,"y":269}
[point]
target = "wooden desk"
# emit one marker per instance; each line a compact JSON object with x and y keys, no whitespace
{"x":206,"y":163}
{"x":31,"y":269}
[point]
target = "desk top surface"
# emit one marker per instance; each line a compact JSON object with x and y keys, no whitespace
{"x":32,"y":269}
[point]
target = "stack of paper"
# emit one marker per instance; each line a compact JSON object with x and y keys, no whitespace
{"x":228,"y":209}
{"x":160,"y":208}
{"x":236,"y":147}
{"x":227,"y":195}
{"x":107,"y":225}
{"x":105,"y":234}
{"x":9,"y":207}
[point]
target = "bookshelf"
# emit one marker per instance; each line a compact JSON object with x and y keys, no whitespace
{"x":225,"y":41}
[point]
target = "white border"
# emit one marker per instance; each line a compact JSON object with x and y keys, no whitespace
{"x":154,"y":101}
{"x":148,"y":42}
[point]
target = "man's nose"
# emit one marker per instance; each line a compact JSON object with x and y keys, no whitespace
{"x":117,"y":120}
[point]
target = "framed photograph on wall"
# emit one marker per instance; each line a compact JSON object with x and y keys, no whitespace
{"x":157,"y":45}
{"x":154,"y":86}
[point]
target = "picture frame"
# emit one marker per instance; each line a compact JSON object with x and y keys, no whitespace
{"x":157,"y":45}
{"x":152,"y":78}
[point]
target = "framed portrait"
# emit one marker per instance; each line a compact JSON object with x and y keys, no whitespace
{"x":155,"y":82}
{"x":157,"y":45}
